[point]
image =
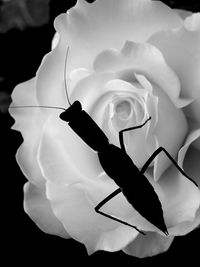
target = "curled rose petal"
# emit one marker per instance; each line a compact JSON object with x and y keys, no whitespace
{"x":55,"y":40}
{"x":144,"y":59}
{"x":27,"y":122}
{"x":180,"y":48}
{"x":189,"y":157}
{"x":86,"y":25}
{"x":39,"y":209}
{"x":192,"y":111}
{"x":192,"y":23}
{"x":178,"y":210}
{"x":147,"y":246}
{"x":50,"y":77}
{"x":72,"y":207}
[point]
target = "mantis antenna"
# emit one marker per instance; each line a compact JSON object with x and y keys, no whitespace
{"x":65,"y":80}
{"x":37,"y":107}
{"x":66,"y":92}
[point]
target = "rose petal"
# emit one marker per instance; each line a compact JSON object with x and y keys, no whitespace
{"x":63,"y":155}
{"x":151,"y":101}
{"x":50,"y":77}
{"x":76,"y":76}
{"x":192,"y":23}
{"x":86,"y":25}
{"x":191,"y":139}
{"x":172,"y":189}
{"x":132,"y":138}
{"x":189,"y":158}
{"x":192,"y":111}
{"x":74,"y":206}
{"x":142,"y":58}
{"x":55,"y":163}
{"x":71,"y":206}
{"x":183,"y":13}
{"x":97,"y":190}
{"x":181,"y":49}
{"x":175,"y":130}
{"x":29,"y":122}
{"x":38,"y":208}
{"x":149,"y":245}
{"x":196,"y":144}
{"x":27,"y":160}
{"x":55,"y":40}
{"x":24,"y":95}
{"x":90,"y":89}
{"x":187,"y":226}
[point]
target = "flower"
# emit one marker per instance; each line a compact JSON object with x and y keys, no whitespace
{"x":127,"y":60}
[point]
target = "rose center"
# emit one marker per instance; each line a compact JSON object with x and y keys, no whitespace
{"x":123,"y":110}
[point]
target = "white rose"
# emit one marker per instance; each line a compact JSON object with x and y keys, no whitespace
{"x":128,"y":60}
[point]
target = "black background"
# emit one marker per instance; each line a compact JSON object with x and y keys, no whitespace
{"x":23,"y":242}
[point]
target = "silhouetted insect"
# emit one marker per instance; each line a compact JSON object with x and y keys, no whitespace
{"x":131,"y":181}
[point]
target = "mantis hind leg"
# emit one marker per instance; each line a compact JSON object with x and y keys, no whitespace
{"x":152,"y":157}
{"x":104,"y":201}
